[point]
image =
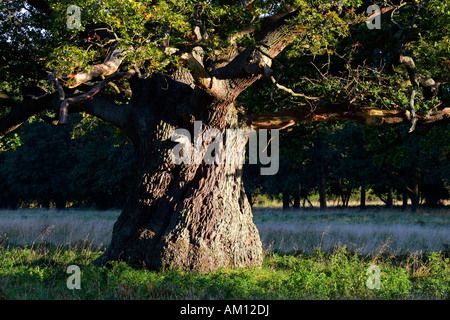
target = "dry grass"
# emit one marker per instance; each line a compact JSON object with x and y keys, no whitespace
{"x":39,"y":271}
{"x":302,"y":230}
{"x":364,"y":238}
{"x":365,"y":232}
{"x":28,"y":226}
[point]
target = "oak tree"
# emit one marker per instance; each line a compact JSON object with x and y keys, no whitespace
{"x":151,"y":67}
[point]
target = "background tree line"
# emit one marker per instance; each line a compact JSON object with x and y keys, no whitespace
{"x":60,"y":166}
{"x":341,"y":159}
{"x":337,"y":160}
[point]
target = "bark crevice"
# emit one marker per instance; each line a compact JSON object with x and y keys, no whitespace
{"x":191,"y":216}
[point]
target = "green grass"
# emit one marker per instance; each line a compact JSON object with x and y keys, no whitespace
{"x":40,"y":273}
{"x":308,"y":255}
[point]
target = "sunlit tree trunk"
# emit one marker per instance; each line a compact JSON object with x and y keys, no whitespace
{"x":192,"y":216}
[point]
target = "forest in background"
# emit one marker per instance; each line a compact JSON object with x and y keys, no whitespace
{"x":86,"y":165}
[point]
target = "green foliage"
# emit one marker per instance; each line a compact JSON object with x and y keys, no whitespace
{"x":335,"y":58}
{"x":40,"y":273}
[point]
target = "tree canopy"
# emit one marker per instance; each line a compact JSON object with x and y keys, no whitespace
{"x":329,"y":66}
{"x":332,"y":59}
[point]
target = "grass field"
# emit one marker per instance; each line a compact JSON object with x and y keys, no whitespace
{"x":363,"y":231}
{"x":308,"y":255}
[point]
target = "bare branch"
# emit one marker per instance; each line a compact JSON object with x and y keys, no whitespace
{"x":294,"y":94}
{"x":198,"y":70}
{"x":240,"y":34}
{"x":413,"y":20}
{"x":46,"y":92}
{"x":106,"y":110}
{"x":429,"y":85}
{"x":96,"y":106}
{"x":256,"y":60}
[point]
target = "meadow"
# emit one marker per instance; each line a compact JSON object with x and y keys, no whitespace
{"x":308,"y":255}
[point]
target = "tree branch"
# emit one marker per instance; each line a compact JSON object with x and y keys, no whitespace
{"x":106,"y":110}
{"x":22,"y":111}
{"x":97,"y":106}
{"x":430,"y":87}
{"x":107,"y":68}
{"x":290,"y":91}
{"x":90,"y":94}
{"x":274,"y":37}
{"x":413,"y":21}
{"x":340,"y":111}
{"x":198,"y":71}
{"x":255,"y":60}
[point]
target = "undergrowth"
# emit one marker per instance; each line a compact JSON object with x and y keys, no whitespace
{"x":40,"y":272}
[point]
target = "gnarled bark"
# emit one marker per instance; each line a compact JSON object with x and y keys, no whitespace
{"x":190,"y":216}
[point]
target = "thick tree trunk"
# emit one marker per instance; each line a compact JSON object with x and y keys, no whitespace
{"x":60,"y":204}
{"x":362,"y":205}
{"x":286,"y":200}
{"x":297,"y":192}
{"x":322,"y":193}
{"x":405,"y":198}
{"x":199,"y":220}
{"x":415,"y":198}
{"x":192,"y":216}
{"x":390,"y":198}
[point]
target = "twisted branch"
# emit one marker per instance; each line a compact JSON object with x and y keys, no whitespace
{"x":90,"y":94}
